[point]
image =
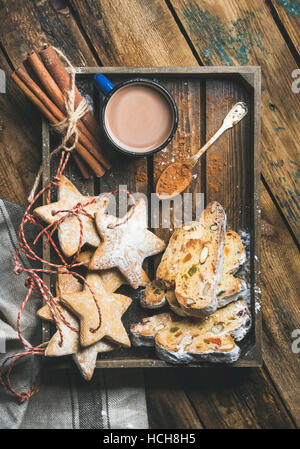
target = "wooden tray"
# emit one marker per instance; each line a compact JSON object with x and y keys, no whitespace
{"x":228,"y":173}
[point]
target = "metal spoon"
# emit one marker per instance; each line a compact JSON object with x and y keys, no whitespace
{"x":235,"y":115}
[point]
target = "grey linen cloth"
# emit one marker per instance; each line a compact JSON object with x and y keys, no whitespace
{"x":114,"y":399}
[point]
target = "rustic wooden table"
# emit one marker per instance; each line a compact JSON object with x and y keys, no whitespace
{"x":188,"y":33}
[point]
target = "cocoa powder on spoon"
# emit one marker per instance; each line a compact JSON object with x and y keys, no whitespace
{"x":175,"y":179}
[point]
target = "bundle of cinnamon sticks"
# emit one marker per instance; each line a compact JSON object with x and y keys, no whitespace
{"x":44,"y":79}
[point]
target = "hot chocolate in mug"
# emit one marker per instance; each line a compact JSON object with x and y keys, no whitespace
{"x":139,"y":116}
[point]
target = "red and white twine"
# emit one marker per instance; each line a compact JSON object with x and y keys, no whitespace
{"x":35,"y":283}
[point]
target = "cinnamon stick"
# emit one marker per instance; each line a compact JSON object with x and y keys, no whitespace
{"x":57,"y":70}
{"x":84,"y":169}
{"x":57,"y":97}
{"x":37,"y":72}
{"x":88,"y":158}
{"x":46,"y":80}
{"x":58,"y":114}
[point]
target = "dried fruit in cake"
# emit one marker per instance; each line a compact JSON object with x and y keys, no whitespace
{"x":185,"y":340}
{"x":154,"y":296}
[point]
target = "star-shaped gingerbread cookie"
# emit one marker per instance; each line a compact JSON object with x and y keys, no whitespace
{"x":111,"y":305}
{"x":65,"y":283}
{"x":69,"y":229}
{"x":113,"y":278}
{"x":126,"y":243}
{"x":85,"y":358}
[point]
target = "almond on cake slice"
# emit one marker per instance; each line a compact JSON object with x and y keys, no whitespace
{"x":143,"y":333}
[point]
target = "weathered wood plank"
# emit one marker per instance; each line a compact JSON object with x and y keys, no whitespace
{"x":136,"y":32}
{"x":20,"y":142}
{"x":168,"y":405}
{"x":281,"y":311}
{"x":27,"y":25}
{"x":229,"y":171}
{"x":289,"y":14}
{"x":244,"y":33}
{"x":23,"y":26}
{"x":234,"y":399}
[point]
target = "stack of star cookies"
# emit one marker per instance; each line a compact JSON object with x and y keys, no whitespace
{"x":89,"y":314}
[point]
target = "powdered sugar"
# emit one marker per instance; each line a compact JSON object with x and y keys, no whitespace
{"x":126,"y":243}
{"x":245,"y":273}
